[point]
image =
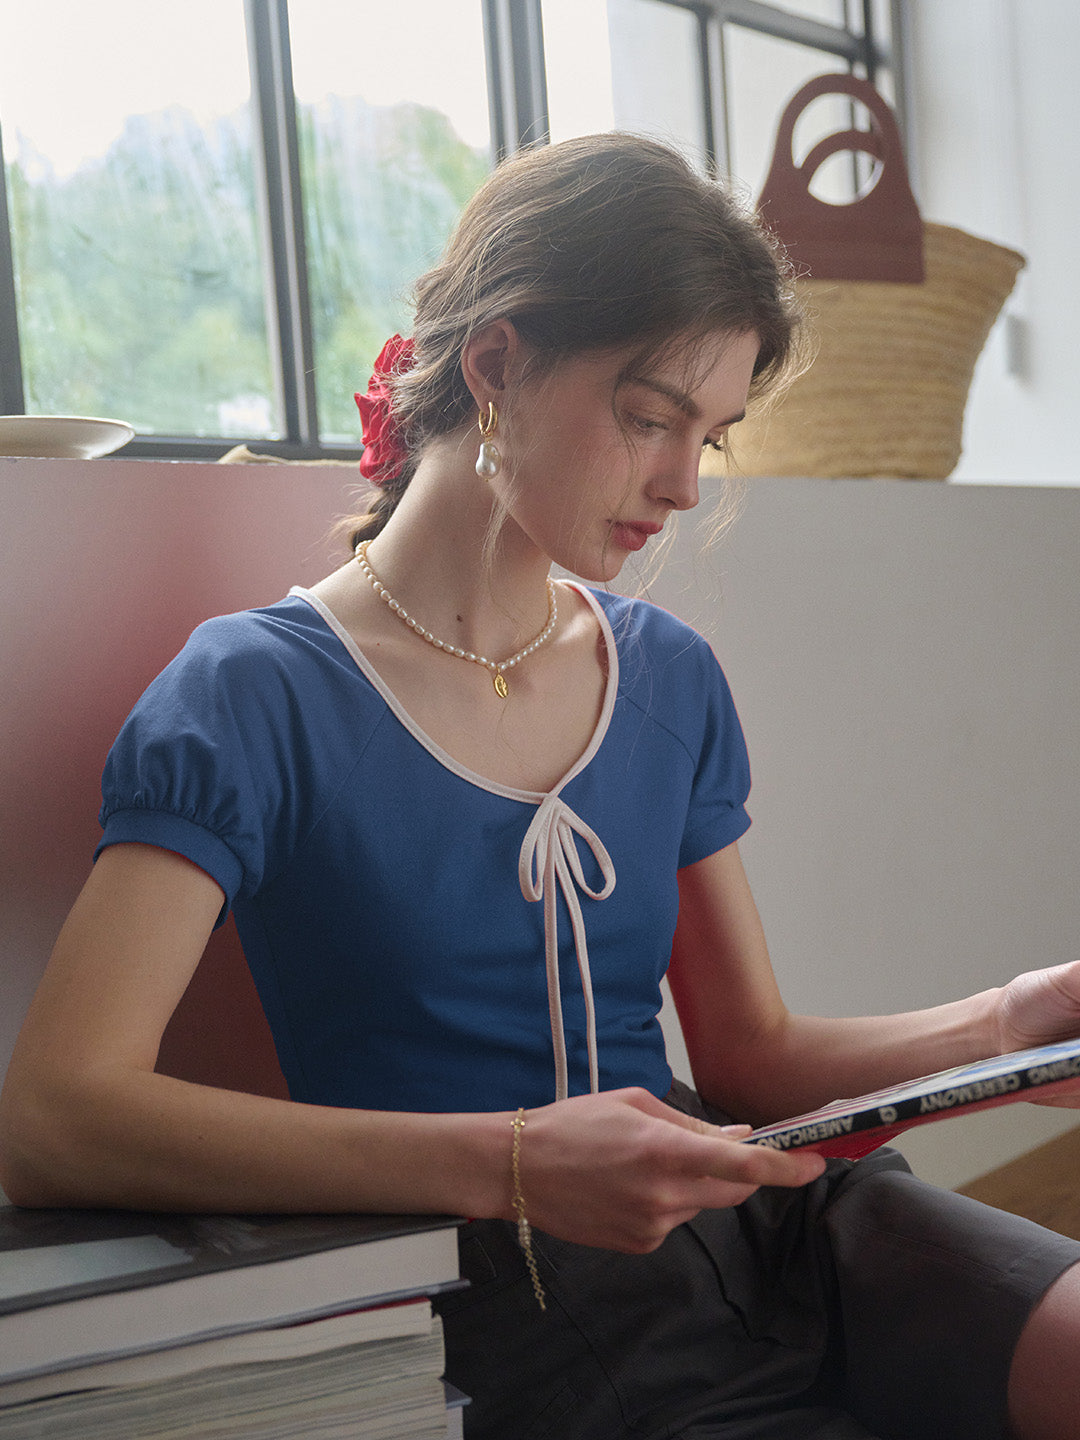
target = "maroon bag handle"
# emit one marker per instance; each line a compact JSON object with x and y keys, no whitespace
{"x":879,"y":234}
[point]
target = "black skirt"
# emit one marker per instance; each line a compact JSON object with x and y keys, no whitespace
{"x":868,"y":1304}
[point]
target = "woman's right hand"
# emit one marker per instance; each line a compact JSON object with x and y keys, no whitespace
{"x":621,"y":1169}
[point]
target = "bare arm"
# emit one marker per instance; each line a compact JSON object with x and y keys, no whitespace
{"x":85,"y":1120}
{"x":755,"y":1059}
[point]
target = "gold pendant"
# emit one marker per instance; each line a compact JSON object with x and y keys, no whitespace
{"x":501,"y":687}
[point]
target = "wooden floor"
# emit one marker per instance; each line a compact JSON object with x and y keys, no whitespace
{"x":1043,"y":1185}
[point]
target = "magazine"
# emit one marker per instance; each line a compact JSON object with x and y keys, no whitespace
{"x":852,"y":1128}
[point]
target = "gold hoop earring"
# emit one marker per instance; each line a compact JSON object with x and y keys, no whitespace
{"x":488,"y":461}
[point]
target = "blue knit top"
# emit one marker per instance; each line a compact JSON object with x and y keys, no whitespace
{"x":423,"y":938}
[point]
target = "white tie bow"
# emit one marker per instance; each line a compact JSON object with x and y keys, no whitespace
{"x":549,"y":862}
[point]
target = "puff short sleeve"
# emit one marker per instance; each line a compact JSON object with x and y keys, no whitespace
{"x":717,"y":814}
{"x":200,"y":767}
{"x":687,"y":754}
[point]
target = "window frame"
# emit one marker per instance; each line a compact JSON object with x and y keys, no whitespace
{"x":517,"y":97}
{"x":857,"y":44}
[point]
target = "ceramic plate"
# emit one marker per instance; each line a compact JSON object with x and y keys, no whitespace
{"x":69,"y":437}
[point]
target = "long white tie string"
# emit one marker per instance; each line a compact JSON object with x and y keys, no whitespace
{"x":549,"y":862}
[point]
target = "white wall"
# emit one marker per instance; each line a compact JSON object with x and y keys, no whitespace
{"x":905,"y":661}
{"x":105,"y":568}
{"x":996,"y":114}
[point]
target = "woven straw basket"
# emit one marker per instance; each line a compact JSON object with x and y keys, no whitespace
{"x":886,"y":392}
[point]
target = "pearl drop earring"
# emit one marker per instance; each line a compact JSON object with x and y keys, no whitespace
{"x":488,"y":461}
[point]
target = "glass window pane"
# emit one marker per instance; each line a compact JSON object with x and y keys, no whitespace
{"x":762,"y":74}
{"x":626,"y":65}
{"x":831,"y":12}
{"x":881,"y":33}
{"x":130,"y":183}
{"x":577,"y":62}
{"x":392,"y":112}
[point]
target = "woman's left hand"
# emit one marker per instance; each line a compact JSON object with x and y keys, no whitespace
{"x":1039,"y":1007}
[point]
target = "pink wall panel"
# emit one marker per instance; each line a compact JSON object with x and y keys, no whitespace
{"x":105,"y":568}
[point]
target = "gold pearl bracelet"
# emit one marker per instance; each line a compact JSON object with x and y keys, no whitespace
{"x":523,"y":1227}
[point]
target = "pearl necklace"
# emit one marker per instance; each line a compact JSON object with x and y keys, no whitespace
{"x":497,"y":667}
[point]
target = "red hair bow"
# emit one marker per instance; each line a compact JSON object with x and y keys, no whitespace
{"x":384,"y":451}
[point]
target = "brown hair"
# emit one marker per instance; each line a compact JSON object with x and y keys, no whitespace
{"x":599,"y":242}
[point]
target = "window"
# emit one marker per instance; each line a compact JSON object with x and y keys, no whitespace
{"x":394,"y":137}
{"x":133,"y":219}
{"x":710,"y":76}
{"x":215,"y":231}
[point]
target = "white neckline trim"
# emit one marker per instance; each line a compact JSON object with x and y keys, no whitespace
{"x":548,"y":863}
{"x":445,"y":759}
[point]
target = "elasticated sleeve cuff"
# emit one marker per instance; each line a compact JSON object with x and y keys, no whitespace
{"x":184,"y":837}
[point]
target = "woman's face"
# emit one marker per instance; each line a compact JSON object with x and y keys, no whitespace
{"x":596,"y":459}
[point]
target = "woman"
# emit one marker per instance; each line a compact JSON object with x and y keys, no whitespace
{"x":417,"y":785}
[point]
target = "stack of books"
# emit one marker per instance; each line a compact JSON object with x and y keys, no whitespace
{"x":118,"y":1326}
